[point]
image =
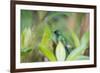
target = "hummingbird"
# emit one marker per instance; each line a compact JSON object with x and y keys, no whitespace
{"x":58,"y":36}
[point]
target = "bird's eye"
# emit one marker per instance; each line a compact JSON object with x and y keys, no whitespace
{"x":57,"y":32}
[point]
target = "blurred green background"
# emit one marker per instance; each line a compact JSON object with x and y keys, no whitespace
{"x":54,"y":36}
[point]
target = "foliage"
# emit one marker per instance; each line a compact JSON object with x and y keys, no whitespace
{"x":44,"y":45}
{"x":60,"y":52}
{"x":48,"y":35}
{"x":78,"y":51}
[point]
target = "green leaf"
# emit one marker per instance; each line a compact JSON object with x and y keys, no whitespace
{"x":25,"y":53}
{"x":60,"y":52}
{"x":26,"y":50}
{"x":46,"y":36}
{"x":83,"y":58}
{"x":47,"y":52}
{"x":45,"y":45}
{"x":74,"y":54}
{"x":75,"y":39}
{"x":85,"y":40}
{"x":26,"y":37}
{"x":68,"y":38}
{"x":78,"y":51}
{"x":22,"y":39}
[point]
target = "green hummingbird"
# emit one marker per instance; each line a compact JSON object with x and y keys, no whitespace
{"x":58,"y":36}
